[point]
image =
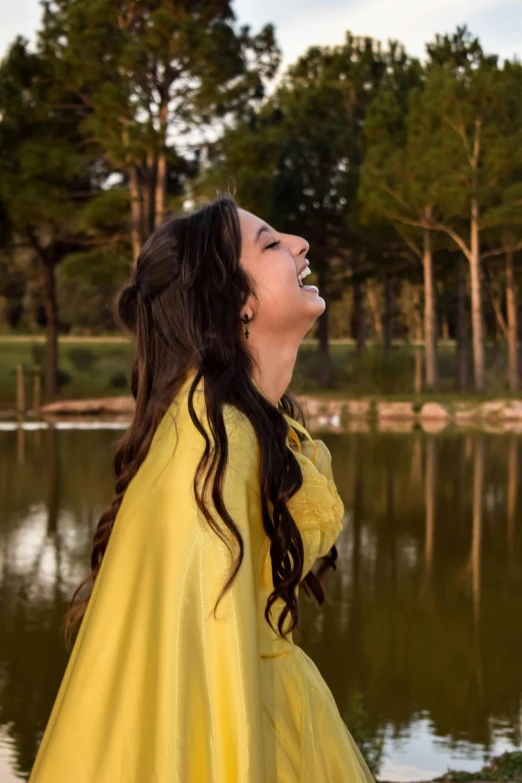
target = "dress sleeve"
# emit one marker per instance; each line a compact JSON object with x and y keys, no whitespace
{"x":316,"y":507}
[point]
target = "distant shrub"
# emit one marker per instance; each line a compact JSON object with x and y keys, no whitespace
{"x":81,"y":358}
{"x":64,"y":378}
{"x":38,"y":351}
{"x":119,"y":381}
{"x":375,"y":373}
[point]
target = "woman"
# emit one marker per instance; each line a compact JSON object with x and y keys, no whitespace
{"x":184,"y":669}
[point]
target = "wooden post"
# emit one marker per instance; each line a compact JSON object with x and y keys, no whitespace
{"x":20,"y":396}
{"x":36,"y":387}
{"x":20,"y":444}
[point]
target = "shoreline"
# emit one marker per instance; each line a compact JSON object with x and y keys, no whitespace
{"x":505,"y":768}
{"x":335,"y":415}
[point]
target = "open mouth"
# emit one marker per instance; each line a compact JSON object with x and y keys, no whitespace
{"x":300,"y":277}
{"x":302,"y":286}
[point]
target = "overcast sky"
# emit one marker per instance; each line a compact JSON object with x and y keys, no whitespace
{"x":303,"y":23}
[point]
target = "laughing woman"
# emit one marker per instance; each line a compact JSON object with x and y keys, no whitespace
{"x":184,"y":669}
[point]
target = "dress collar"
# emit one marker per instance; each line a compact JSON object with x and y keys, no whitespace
{"x":295,"y":425}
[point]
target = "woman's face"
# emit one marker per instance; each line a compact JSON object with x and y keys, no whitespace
{"x":274,"y":260}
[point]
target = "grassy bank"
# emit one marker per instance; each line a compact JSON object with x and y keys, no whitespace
{"x":100,"y":367}
{"x":88,"y":368}
{"x":506,"y":768}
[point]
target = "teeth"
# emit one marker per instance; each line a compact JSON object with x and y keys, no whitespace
{"x":306,"y":271}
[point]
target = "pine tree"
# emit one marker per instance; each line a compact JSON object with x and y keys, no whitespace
{"x":297,"y":160}
{"x":154,"y":76}
{"x":45,"y":177}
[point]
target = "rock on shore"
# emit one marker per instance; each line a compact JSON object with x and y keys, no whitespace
{"x":344,"y":414}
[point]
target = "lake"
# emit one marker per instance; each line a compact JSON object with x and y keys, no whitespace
{"x":420,"y":643}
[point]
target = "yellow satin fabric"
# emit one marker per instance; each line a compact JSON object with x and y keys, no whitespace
{"x":156,"y":689}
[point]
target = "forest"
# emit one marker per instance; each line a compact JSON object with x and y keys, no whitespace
{"x":403,"y":174}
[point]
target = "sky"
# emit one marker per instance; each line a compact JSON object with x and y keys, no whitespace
{"x":303,"y":23}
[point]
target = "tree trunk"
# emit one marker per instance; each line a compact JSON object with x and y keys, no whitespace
{"x":324,"y":358}
{"x":476,"y":300}
{"x":161,"y":170}
{"x":388,"y":315}
{"x":359,"y":317}
{"x":136,"y":203}
{"x":136,"y":212}
{"x":430,"y":325}
{"x":372,"y":301}
{"x":417,"y":378}
{"x":462,"y":350}
{"x":501,"y":327}
{"x":51,"y":315}
{"x":494,"y":289}
{"x":445,"y":325}
{"x":512,"y":322}
{"x":46,"y":271}
{"x":161,"y":184}
{"x":325,"y":362}
{"x":149,"y":190}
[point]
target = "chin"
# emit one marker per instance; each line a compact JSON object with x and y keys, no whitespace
{"x":317,"y":305}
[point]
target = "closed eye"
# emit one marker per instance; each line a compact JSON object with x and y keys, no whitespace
{"x":273,"y":244}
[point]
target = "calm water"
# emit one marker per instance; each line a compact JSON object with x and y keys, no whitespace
{"x":421,"y":643}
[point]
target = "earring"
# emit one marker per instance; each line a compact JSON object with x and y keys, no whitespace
{"x":245,"y":321}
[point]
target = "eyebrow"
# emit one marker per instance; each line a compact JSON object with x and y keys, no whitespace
{"x":260,"y":230}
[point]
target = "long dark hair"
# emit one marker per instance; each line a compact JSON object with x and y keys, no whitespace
{"x":182,"y":305}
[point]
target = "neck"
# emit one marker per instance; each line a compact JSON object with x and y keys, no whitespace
{"x":275,"y":368}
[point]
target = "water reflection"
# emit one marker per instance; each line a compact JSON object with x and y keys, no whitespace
{"x":424,"y":614}
{"x":422,"y":618}
{"x":50,"y":484}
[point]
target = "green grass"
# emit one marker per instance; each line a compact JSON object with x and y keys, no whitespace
{"x":100,"y":367}
{"x":105,"y":374}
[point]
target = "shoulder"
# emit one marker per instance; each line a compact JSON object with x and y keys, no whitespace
{"x":243,"y":444}
{"x":238,"y":425}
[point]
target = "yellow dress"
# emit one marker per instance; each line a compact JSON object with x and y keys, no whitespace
{"x":157,"y":690}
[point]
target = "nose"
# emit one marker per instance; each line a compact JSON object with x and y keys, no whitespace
{"x":302,"y":246}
